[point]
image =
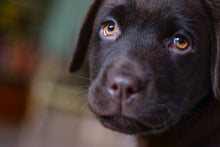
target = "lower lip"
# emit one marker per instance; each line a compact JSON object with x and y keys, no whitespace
{"x":106,"y":121}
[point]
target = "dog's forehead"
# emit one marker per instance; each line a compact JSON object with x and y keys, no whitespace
{"x":139,"y":11}
{"x":152,"y":4}
{"x":117,"y":2}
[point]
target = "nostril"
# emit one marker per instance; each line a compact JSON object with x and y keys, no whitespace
{"x":131,"y":91}
{"x":114,"y":87}
{"x":123,"y":86}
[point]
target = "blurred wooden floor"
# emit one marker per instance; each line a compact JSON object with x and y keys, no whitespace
{"x":58,"y":129}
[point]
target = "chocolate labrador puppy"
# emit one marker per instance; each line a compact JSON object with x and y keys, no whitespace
{"x":155,"y":69}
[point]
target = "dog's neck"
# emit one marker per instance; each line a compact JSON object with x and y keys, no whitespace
{"x":195,"y":129}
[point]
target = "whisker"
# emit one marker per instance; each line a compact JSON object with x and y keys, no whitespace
{"x":170,"y":112}
{"x":84,"y":92}
{"x":83,"y":86}
{"x":82,"y":96}
{"x":82,"y":106}
{"x":182,"y":98}
{"x":84,"y":78}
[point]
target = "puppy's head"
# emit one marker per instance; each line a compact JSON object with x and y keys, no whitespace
{"x":151,"y":61}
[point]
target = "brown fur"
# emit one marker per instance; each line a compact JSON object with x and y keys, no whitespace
{"x":174,"y":95}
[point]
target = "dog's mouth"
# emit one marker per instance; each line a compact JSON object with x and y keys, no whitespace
{"x":128,"y":125}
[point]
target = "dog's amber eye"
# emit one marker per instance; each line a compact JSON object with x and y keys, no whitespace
{"x":181,"y":43}
{"x":110,"y":29}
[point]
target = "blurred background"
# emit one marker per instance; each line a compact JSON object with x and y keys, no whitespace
{"x":41,"y":105}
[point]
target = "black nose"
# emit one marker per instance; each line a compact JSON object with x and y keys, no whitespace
{"x":123,"y":87}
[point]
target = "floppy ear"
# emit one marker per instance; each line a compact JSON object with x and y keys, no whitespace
{"x":83,"y":41}
{"x":216,"y":64}
{"x":215,"y":69}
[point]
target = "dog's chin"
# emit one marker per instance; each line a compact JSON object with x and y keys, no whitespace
{"x":131,"y":126}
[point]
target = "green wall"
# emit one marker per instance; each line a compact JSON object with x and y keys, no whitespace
{"x":62,"y":24}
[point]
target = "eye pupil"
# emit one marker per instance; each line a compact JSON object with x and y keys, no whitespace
{"x":111,"y":28}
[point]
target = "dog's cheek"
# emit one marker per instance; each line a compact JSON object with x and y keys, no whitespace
{"x":98,"y":56}
{"x":192,"y":84}
{"x":94,"y":65}
{"x":94,"y":56}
